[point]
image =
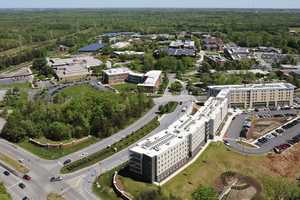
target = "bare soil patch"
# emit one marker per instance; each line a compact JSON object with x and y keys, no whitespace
{"x":262,"y":126}
{"x":286,"y":164}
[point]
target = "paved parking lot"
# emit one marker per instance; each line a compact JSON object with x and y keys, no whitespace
{"x":234,"y":130}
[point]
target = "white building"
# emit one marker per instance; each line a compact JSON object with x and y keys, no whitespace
{"x":160,"y":155}
{"x":152,"y":81}
{"x":183,"y":44}
{"x":157,"y":157}
{"x":120,"y":45}
{"x":76,"y":68}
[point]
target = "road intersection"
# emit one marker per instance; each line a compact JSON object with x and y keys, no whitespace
{"x":78,"y":185}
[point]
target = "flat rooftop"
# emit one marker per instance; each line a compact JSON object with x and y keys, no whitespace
{"x":275,"y":86}
{"x":151,"y":78}
{"x":90,"y":61}
{"x":117,"y":71}
{"x":180,"y":129}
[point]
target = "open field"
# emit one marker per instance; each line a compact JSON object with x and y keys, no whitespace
{"x":216,"y":160}
{"x":13,"y":163}
{"x":52,"y":154}
{"x":126,"y":87}
{"x":78,"y":90}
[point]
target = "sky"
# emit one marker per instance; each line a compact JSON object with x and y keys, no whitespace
{"x":149,"y":3}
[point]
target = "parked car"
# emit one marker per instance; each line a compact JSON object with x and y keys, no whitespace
{"x":27,"y":177}
{"x":262,"y":140}
{"x":275,"y":134}
{"x":280,"y":130}
{"x":292,"y":141}
{"x":281,"y":148}
{"x":67,"y":161}
{"x":22,"y":185}
{"x":269,"y":136}
{"x":226,"y":142}
{"x":6,"y":173}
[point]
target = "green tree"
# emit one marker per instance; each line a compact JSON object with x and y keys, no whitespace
{"x":58,"y":131}
{"x":41,"y":66}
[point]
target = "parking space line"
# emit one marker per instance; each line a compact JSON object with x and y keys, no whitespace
{"x":10,"y":187}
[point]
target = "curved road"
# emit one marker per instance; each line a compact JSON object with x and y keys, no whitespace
{"x":77,"y":186}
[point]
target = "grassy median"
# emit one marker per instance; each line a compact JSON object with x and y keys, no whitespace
{"x":13,"y":163}
{"x":52,"y":154}
{"x":105,"y":153}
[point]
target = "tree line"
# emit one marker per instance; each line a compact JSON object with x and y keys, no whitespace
{"x":98,"y":114}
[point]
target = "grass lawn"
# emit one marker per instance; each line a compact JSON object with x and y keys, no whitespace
{"x":216,"y":160}
{"x":53,"y":196}
{"x":52,"y":154}
{"x":105,"y":153}
{"x":3,"y":193}
{"x":102,"y":187}
{"x":13,"y":163}
{"x":168,"y":108}
{"x":126,"y":87}
{"x":45,"y":140}
{"x":18,"y":85}
{"x":78,"y":90}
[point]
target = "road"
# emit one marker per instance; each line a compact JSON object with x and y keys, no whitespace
{"x":77,"y":186}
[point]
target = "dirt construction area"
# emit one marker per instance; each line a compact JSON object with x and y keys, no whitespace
{"x":234,"y":186}
{"x":262,"y":126}
{"x":285,"y":164}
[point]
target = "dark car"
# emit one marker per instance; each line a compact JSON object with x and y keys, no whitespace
{"x":292,"y":141}
{"x":279,"y":130}
{"x":275,"y":134}
{"x":54,"y":179}
{"x":262,"y":140}
{"x":281,"y":148}
{"x":25,"y":198}
{"x":22,"y":185}
{"x":67,"y":161}
{"x":27,"y":177}
{"x":6,"y":173}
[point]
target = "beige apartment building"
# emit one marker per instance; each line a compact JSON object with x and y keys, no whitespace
{"x":257,"y":95}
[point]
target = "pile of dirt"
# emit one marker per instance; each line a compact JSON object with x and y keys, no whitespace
{"x":285,"y":164}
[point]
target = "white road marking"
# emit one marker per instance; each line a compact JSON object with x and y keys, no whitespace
{"x":10,"y":187}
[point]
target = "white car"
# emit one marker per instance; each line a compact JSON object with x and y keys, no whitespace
{"x":269,"y":136}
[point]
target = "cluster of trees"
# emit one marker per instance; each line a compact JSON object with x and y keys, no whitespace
{"x":175,"y":87}
{"x":220,"y":78}
{"x":98,"y":114}
{"x":40,"y":65}
{"x":243,"y":64}
{"x":20,"y":57}
{"x":167,"y":108}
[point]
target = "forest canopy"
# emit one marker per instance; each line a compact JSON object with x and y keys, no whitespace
{"x":98,"y":114}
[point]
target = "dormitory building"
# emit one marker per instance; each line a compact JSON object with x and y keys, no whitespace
{"x":157,"y":157}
